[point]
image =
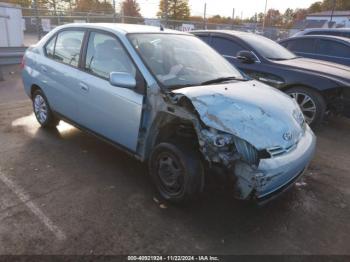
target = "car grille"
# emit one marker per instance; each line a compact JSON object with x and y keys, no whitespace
{"x":278,"y":150}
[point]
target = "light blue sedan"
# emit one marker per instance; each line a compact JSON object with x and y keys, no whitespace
{"x":168,"y":98}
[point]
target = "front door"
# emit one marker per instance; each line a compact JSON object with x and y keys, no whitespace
{"x":110,"y":111}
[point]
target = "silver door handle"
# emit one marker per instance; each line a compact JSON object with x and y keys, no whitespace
{"x":84,"y":87}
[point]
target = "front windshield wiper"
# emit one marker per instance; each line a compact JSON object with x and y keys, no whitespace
{"x":222,"y":79}
{"x":171,"y":87}
{"x":276,"y":59}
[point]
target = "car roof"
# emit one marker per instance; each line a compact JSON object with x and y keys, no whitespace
{"x":227,"y":32}
{"x":326,"y":29}
{"x":123,"y":28}
{"x":329,"y":37}
{"x":308,"y":30}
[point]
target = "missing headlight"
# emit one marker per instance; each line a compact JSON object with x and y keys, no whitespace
{"x":221,"y":141}
{"x":217,"y":138}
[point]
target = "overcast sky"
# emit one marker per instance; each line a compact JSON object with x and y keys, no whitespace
{"x":149,"y":8}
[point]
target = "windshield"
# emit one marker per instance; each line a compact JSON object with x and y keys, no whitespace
{"x":268,"y":48}
{"x":182,"y":60}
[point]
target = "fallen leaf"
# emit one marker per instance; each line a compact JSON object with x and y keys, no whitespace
{"x":155,"y":200}
{"x":163,"y":206}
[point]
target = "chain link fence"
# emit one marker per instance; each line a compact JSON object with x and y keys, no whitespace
{"x":38,"y":22}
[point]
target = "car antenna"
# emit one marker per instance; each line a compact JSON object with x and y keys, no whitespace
{"x":161,"y":27}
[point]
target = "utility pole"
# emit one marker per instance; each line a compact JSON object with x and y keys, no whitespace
{"x":58,"y":18}
{"x":122,"y":14}
{"x":166,"y":12}
{"x":114,"y":11}
{"x":233,"y":18}
{"x":204,"y":17}
{"x":263,"y":27}
{"x":332,"y":14}
{"x":37,"y":21}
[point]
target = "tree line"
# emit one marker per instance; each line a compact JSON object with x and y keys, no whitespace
{"x":290,"y":16}
{"x":129,"y":7}
{"x":180,"y":10}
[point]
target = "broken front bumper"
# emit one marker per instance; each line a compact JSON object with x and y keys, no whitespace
{"x":274,"y":174}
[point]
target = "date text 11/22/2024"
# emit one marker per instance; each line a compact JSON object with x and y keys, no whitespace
{"x":173,"y":258}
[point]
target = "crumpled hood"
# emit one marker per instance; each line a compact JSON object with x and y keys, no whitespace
{"x":250,"y":110}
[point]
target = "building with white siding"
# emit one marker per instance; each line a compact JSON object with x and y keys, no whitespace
{"x":339,"y":18}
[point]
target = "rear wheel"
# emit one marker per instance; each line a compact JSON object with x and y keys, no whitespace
{"x":311,"y":104}
{"x":42,"y":110}
{"x":176,"y":171}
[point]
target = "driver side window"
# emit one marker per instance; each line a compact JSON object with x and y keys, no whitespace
{"x":105,"y":54}
{"x":225,"y":46}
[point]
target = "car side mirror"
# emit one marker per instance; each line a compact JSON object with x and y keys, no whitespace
{"x":246,"y":57}
{"x":121,"y":79}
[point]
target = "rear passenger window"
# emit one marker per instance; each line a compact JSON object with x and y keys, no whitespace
{"x":225,"y":46}
{"x":50,"y":47}
{"x":302,"y":45}
{"x":105,"y":54}
{"x":331,"y":48}
{"x":68,"y":45}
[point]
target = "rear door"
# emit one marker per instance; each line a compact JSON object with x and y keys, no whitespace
{"x":110,"y":111}
{"x":333,"y":51}
{"x":59,"y":71}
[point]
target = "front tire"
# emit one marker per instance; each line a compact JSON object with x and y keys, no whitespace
{"x":176,"y":171}
{"x":42,"y":110}
{"x":311,"y":103}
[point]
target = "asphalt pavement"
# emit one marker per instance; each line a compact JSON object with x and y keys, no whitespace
{"x":66,"y":192}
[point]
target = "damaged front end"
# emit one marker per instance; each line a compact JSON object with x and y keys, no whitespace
{"x":264,"y":150}
{"x":257,"y":174}
{"x":275,"y":173}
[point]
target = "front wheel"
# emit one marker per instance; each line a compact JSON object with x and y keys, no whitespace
{"x":176,"y":171}
{"x":42,"y":110}
{"x":311,"y":104}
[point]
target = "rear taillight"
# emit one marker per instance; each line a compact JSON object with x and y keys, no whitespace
{"x":22,"y":62}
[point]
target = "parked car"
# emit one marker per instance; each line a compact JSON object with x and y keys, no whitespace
{"x":317,"y":86}
{"x":329,"y":48}
{"x":342,"y":32}
{"x":167,"y":98}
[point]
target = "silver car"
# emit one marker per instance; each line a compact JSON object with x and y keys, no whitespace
{"x":168,"y":98}
{"x":342,"y":32}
